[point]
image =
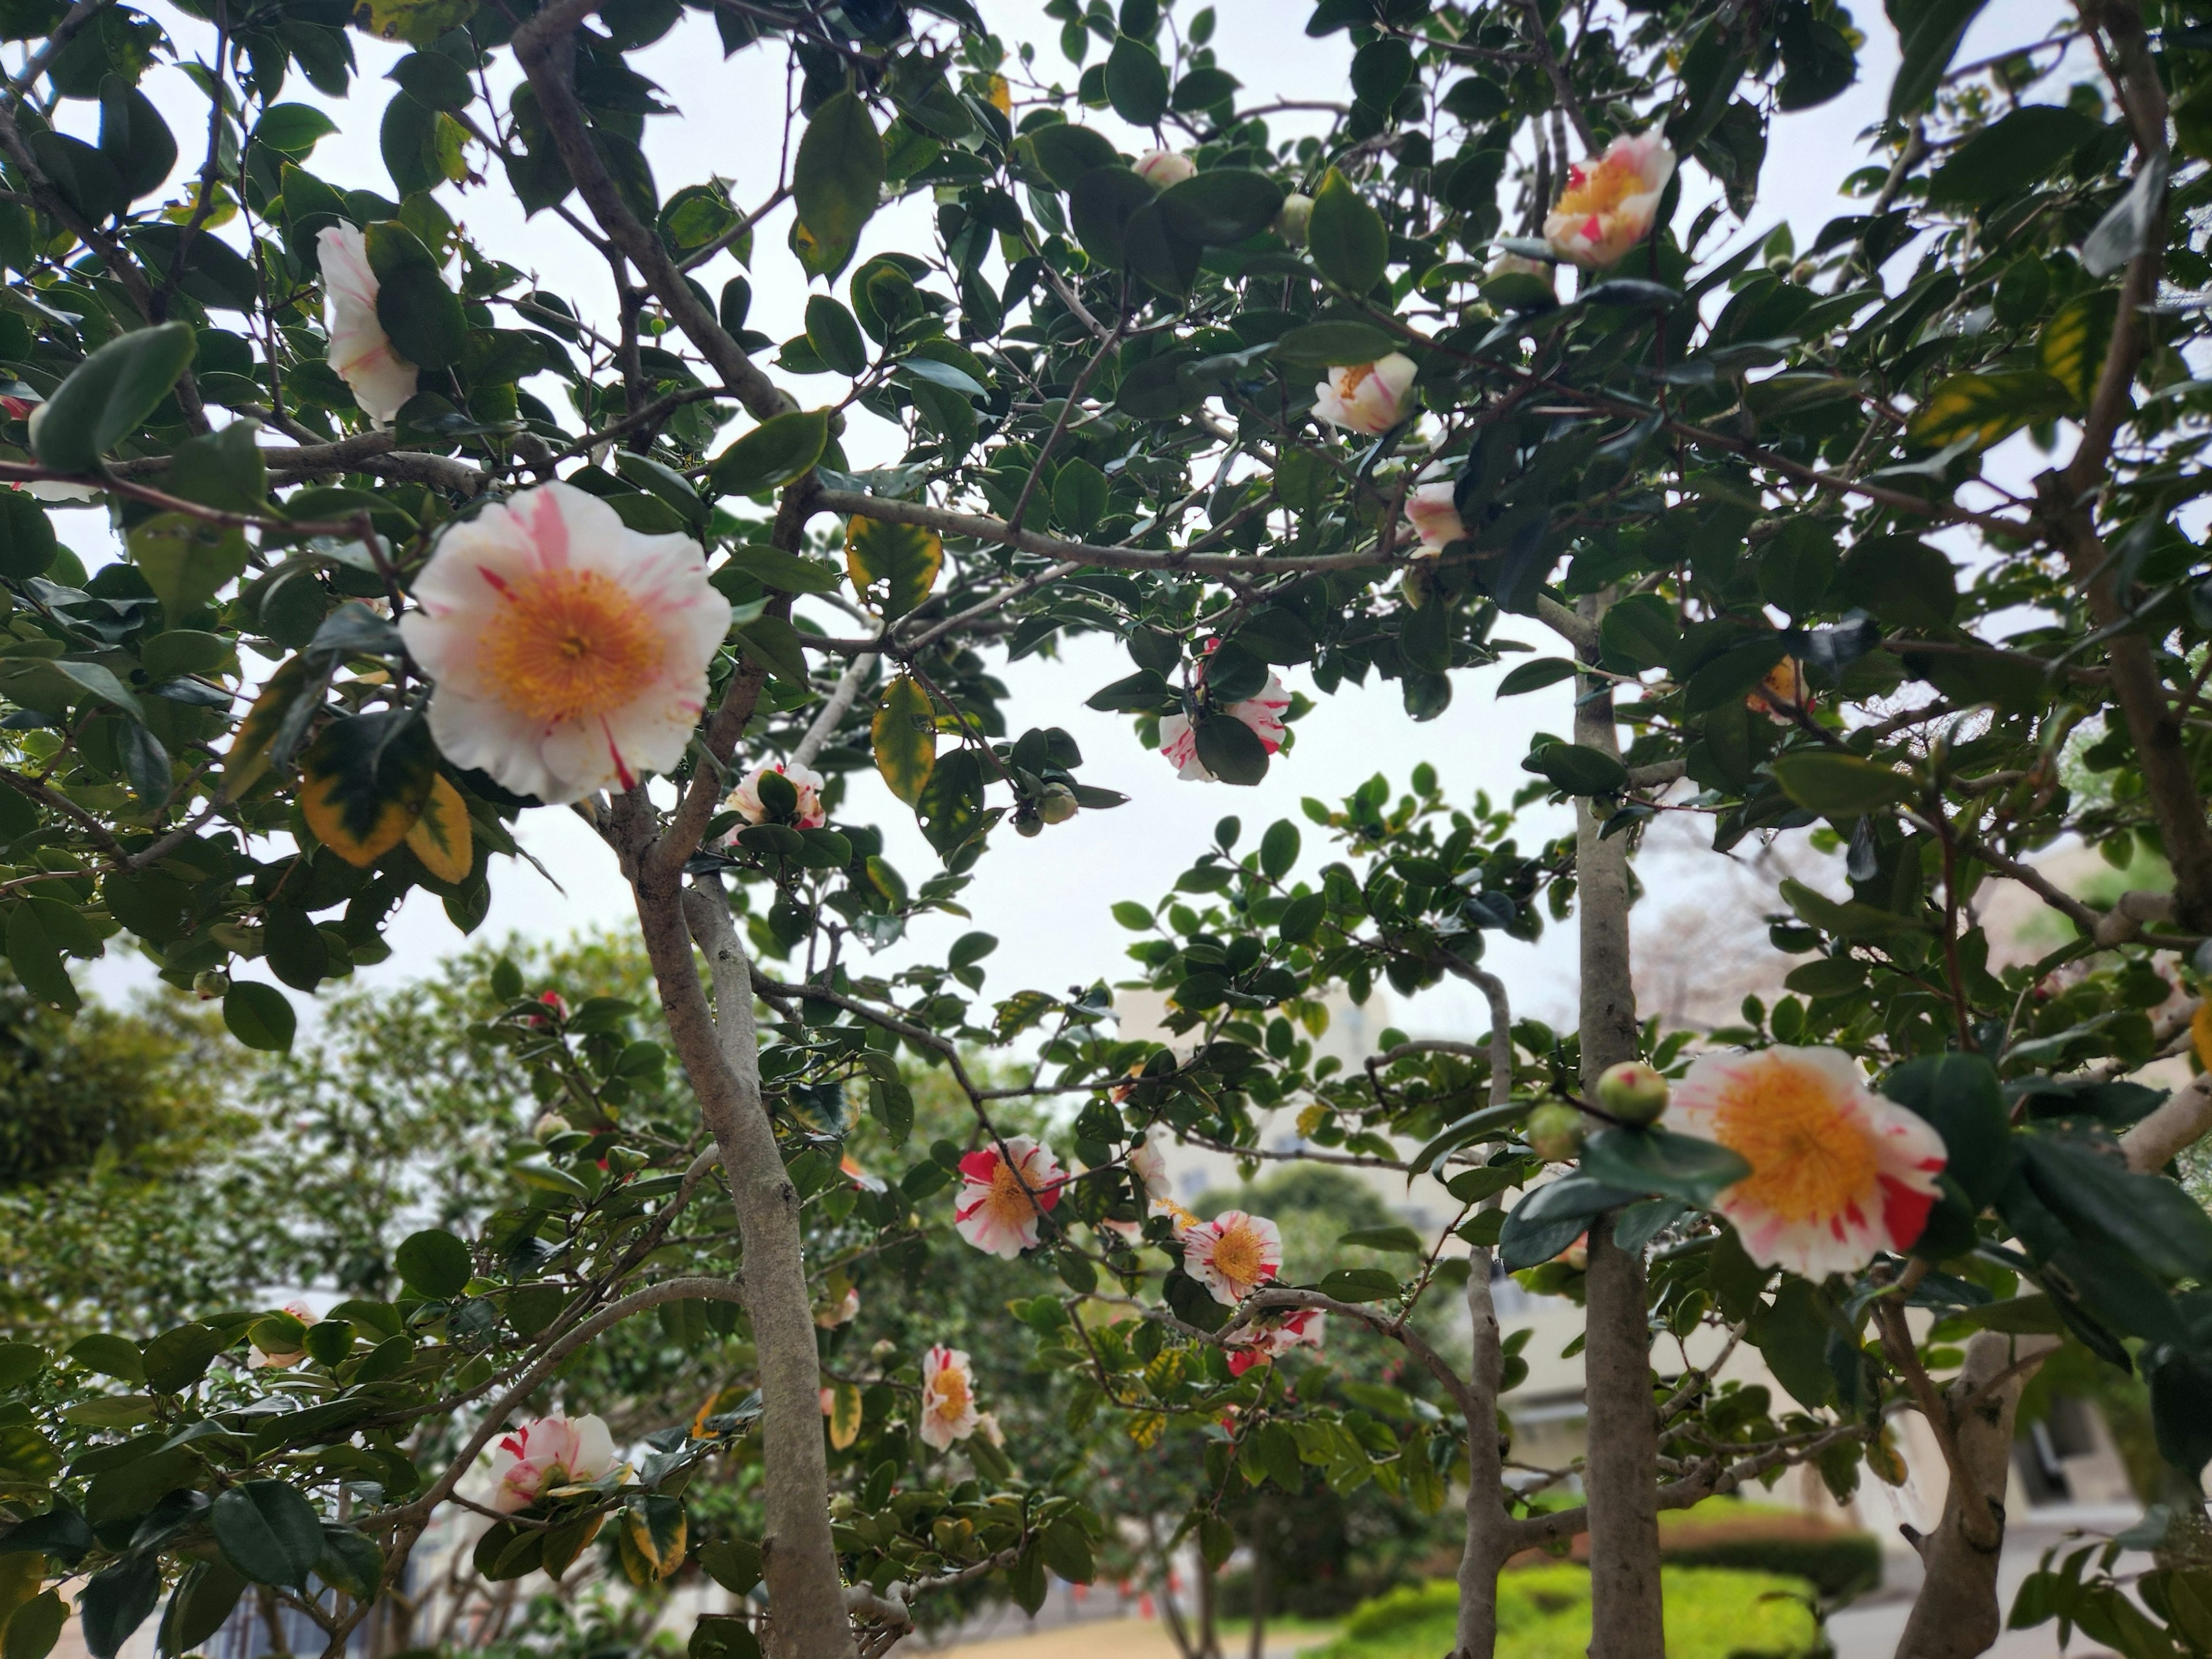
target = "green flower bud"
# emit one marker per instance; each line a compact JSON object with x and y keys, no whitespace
{"x":1555,"y":1132}
{"x":1290,"y":222}
{"x":1057,"y":805}
{"x":1632,"y":1091}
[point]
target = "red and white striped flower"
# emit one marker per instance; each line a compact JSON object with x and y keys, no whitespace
{"x":569,"y":651}
{"x":1271,"y":1340}
{"x":546,"y":1454}
{"x":1002,"y":1198}
{"x":1149,"y":1165}
{"x":1233,"y":1255}
{"x":1263,"y":713}
{"x":284,"y":1359}
{"x":1609,"y":203}
{"x":1837,"y":1173}
{"x":381,"y":380}
{"x":1366,"y":397}
{"x":948,"y":1398}
{"x":1162,"y":167}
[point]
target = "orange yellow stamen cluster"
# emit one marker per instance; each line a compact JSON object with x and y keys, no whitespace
{"x":1809,"y":1161}
{"x":572,"y":645}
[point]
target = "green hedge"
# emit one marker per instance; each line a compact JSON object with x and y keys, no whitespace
{"x":1848,"y":1564}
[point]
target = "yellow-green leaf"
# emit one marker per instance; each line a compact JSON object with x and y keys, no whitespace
{"x":254,"y":749}
{"x":1985,"y":408}
{"x":440,"y":837}
{"x":418,"y":22}
{"x":905,"y":737}
{"x":363,"y":782}
{"x":844,"y":1415}
{"x":185,"y":561}
{"x":893,"y":566}
{"x":2072,"y":346}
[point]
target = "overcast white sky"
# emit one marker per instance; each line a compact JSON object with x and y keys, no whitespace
{"x":1046,"y":899}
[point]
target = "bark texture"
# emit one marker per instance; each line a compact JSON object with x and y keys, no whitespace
{"x":806,"y":1602}
{"x":1489,"y":1528}
{"x":1956,"y":1614}
{"x":1621,"y":1472}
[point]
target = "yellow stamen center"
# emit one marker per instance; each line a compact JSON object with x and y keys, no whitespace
{"x":1599,"y":189}
{"x":950,"y":1393}
{"x":1008,"y":1203}
{"x":1236,"y":1255}
{"x":572,"y":645}
{"x":1809,"y":1159}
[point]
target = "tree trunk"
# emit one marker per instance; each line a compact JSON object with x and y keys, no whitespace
{"x":1256,"y":1648}
{"x":806,"y":1607}
{"x":1488,"y":1527}
{"x":1621,"y":1472}
{"x":1956,"y":1615}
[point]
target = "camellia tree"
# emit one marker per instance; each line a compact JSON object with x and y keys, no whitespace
{"x":1344,"y":404}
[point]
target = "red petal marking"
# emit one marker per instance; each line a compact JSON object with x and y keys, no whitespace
{"x":1242,"y":1360}
{"x":980,"y":1165}
{"x":549,"y":530}
{"x":1904,"y":1212}
{"x":498,"y":582}
{"x":1577,"y":178}
{"x":622,"y":773}
{"x":1592,"y":229}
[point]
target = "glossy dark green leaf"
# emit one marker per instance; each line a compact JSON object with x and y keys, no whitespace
{"x":1066,"y":152}
{"x":433,"y":1263}
{"x":1577,"y":768}
{"x":1556,"y":1214}
{"x":115,"y":1601}
{"x":423,"y":317}
{"x":179,"y":1357}
{"x":2014,"y":151}
{"x":134,"y":138}
{"x":1136,"y":84}
{"x":1346,"y":236}
{"x":293,"y":130}
{"x":26,"y":536}
{"x":1324,"y":344}
{"x":268,"y":1532}
{"x":785,"y":572}
{"x":1231,"y":749}
{"x":773,"y":453}
{"x":1928,"y":35}
{"x":110,"y":394}
{"x":838,"y":175}
{"x":1535,"y":676}
{"x":1658,"y":1160}
{"x":1221,"y":206}
{"x":201,"y":1605}
{"x":1837,"y":785}
{"x":835,"y":336}
{"x":258,"y":1016}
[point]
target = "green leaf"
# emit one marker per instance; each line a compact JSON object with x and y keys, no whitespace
{"x":109,"y":1355}
{"x":838,"y":176}
{"x":1278,"y":849}
{"x":1302,"y":918}
{"x":1346,"y":236}
{"x":1100,"y":205}
{"x":951,"y":811}
{"x":134,"y":138}
{"x":108,"y":396}
{"x":201,"y":1605}
{"x":258,"y":1016}
{"x":116,"y":1600}
{"x":1327,"y":344}
{"x":1136,"y":84}
{"x":1231,"y":749}
{"x":1838,"y":786}
{"x":1066,"y":152}
{"x":36,"y":1626}
{"x":733,"y":1563}
{"x":1905,"y":582}
{"x":430,"y":78}
{"x":721,"y":1636}
{"x":36,"y":960}
{"x":177,"y":1358}
{"x":1576,"y":768}
{"x":1079,"y":498}
{"x":1361,"y":1285}
{"x":2075,"y":343}
{"x":1545,"y":1221}
{"x":2010,"y":154}
{"x":781,"y":448}
{"x":1982,"y":409}
{"x":433,"y":1263}
{"x":773,"y":567}
{"x":268,"y":1531}
{"x":893,"y":566}
{"x":904,"y":737}
{"x":186,"y":561}
{"x":293,"y":130}
{"x":1657,"y":1160}
{"x":423,"y":317}
{"x":1960,"y":1096}
{"x":835,"y":336}
{"x":1928,"y":35}
{"x":19,"y":1363}
{"x":1639,"y":632}
{"x":1222,"y":206}
{"x":2152,"y":1218}
{"x":1535,"y":676}
{"x":773,"y":643}
{"x":26,"y":536}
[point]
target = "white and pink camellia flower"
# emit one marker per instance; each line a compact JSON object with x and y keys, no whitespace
{"x":1837,"y":1173}
{"x":381,"y":380}
{"x":1368,"y":398}
{"x":1431,"y":512}
{"x":948,"y":1398}
{"x":569,"y":651}
{"x":1002,"y":1200}
{"x":986,"y":1424}
{"x":1263,"y":713}
{"x":1271,"y":1340}
{"x":1149,"y":1165}
{"x":744,"y":800}
{"x":285,"y":1359}
{"x":1233,"y":1255}
{"x":1608,"y":205}
{"x":844,"y":1311}
{"x":1162,"y":167}
{"x":545,"y":1455}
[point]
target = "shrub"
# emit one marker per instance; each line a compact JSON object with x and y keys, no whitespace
{"x":1544,"y":1613}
